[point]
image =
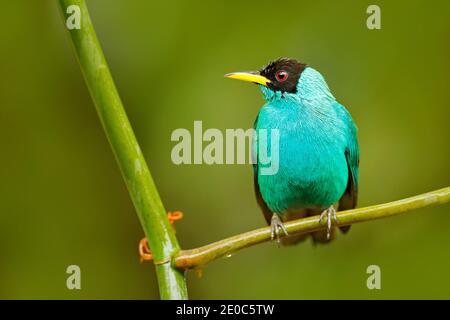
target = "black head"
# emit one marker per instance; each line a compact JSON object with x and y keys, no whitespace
{"x":283,"y":74}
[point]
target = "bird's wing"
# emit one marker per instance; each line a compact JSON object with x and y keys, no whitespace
{"x":350,"y":197}
{"x":264,"y":208}
{"x":262,"y":204}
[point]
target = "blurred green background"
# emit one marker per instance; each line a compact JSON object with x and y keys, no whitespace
{"x":63,"y":201}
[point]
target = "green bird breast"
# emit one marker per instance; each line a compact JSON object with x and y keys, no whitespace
{"x":313,"y":170}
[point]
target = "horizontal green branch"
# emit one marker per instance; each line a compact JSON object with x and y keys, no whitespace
{"x":199,"y":257}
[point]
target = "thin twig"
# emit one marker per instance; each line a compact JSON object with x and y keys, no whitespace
{"x":199,"y":257}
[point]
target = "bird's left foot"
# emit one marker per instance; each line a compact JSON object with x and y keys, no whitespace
{"x":275,"y":226}
{"x":329,"y":214}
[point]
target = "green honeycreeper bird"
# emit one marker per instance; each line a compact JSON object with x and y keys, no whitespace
{"x":318,"y":149}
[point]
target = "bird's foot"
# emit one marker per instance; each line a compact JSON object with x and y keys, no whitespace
{"x":275,"y":226}
{"x":144,"y":250}
{"x":328,"y":214}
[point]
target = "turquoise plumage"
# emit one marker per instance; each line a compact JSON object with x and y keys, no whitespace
{"x":318,"y":148}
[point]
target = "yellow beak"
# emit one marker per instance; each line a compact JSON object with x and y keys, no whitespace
{"x":251,"y":76}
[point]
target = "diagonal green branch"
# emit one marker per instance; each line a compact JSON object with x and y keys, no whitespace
{"x":151,"y":212}
{"x":199,"y":257}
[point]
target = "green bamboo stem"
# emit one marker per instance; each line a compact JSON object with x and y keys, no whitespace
{"x":200,"y":257}
{"x":150,"y":210}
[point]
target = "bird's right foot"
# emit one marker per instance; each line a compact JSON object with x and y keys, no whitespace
{"x":328,"y":215}
{"x":275,"y":226}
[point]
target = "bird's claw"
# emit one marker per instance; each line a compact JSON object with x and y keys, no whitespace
{"x":275,"y":226}
{"x":329,"y":214}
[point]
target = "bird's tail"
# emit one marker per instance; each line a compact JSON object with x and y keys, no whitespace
{"x":322,"y":236}
{"x":295,"y":238}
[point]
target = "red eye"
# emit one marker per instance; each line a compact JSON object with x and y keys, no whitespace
{"x":281,"y":76}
